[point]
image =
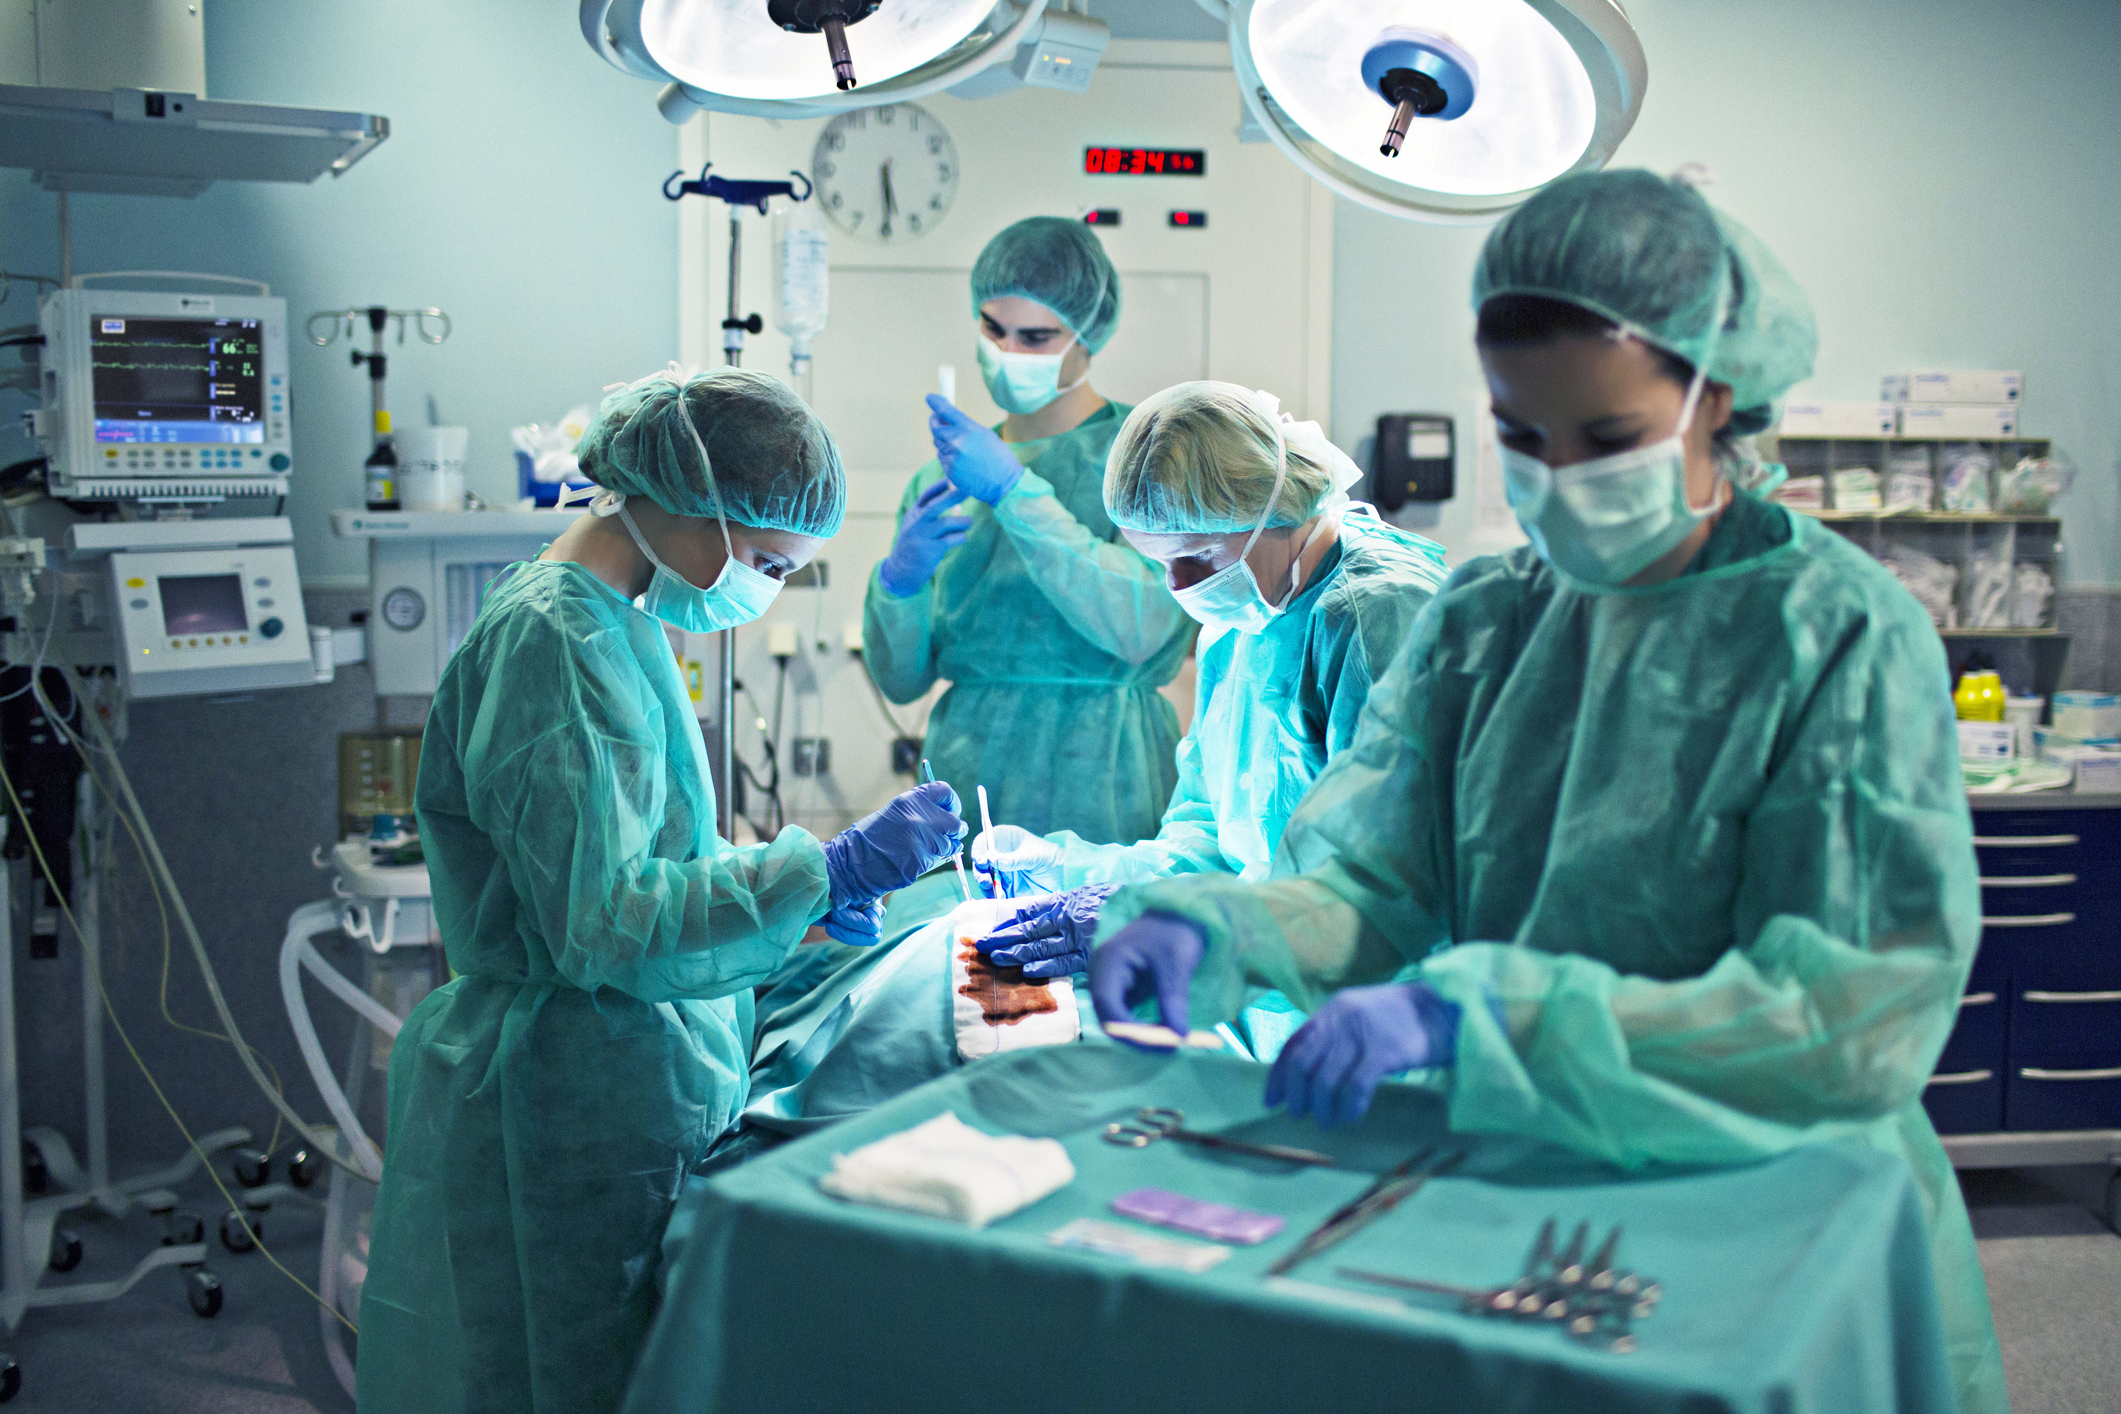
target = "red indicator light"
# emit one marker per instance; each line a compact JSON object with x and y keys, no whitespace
{"x":1189,"y":218}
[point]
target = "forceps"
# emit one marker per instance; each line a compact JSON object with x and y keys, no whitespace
{"x":1154,"y":1122}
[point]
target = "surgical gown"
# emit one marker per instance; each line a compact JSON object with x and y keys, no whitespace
{"x":1271,"y":709}
{"x":1704,"y":842}
{"x":546,"y":1105}
{"x":1054,"y":635}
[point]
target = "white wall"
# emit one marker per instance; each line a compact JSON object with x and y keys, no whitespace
{"x":1943,"y":178}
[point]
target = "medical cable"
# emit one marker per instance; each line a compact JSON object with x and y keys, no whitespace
{"x":318,"y":1143}
{"x":96,"y":971}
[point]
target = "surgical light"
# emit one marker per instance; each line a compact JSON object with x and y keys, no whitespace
{"x":762,"y":57}
{"x":1449,"y":111}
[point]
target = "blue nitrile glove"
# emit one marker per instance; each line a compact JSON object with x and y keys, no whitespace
{"x":1332,"y":1065}
{"x":915,"y":831}
{"x":1050,"y":938}
{"x":1018,"y":860}
{"x":1154,"y":956}
{"x":857,"y":924}
{"x":972,"y":456}
{"x":928,"y":533}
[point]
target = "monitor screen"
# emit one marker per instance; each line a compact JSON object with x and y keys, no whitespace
{"x":177,"y":380}
{"x":203,"y":603}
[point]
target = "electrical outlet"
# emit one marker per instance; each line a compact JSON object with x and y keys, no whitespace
{"x":782,"y":640}
{"x":905,"y":755}
{"x":813,"y":756}
{"x":851,"y":638}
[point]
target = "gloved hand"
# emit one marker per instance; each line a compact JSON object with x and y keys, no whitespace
{"x":858,"y":924}
{"x":1050,"y":938}
{"x":1332,"y":1065}
{"x":928,"y":534}
{"x":972,"y":456}
{"x":915,"y":831}
{"x":1016,"y":858}
{"x":1154,"y":956}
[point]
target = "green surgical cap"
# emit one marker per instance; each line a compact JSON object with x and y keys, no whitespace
{"x":1655,"y":258}
{"x":774,"y":465}
{"x":1060,"y":264}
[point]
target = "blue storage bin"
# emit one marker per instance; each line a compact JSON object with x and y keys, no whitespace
{"x":545,"y":494}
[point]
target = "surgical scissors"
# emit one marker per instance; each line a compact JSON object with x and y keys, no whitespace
{"x":1154,"y":1122}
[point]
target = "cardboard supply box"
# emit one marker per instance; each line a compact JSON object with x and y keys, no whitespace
{"x":1948,"y":385}
{"x":1843,"y":419}
{"x":1975,"y":422}
{"x":2090,"y":717}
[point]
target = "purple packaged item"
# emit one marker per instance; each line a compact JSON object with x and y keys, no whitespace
{"x":1218,"y":1222}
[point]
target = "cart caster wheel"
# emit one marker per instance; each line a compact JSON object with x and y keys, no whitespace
{"x":203,"y":1289}
{"x":252,"y":1167}
{"x":184,"y":1229}
{"x":233,"y":1235}
{"x":66,"y":1250}
{"x":10,"y":1378}
{"x":303,"y":1168}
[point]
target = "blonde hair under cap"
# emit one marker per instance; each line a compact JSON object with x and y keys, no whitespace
{"x":1200,"y":458}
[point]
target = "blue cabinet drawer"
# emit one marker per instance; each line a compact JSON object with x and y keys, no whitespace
{"x":2062,"y":1097}
{"x":1965,"y":1102}
{"x":2058,"y":950}
{"x":1977,"y":1040}
{"x":2080,"y":1029}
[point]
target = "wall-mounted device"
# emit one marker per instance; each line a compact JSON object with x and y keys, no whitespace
{"x":164,"y":397}
{"x":1413,"y":459}
{"x":202,"y":605}
{"x":428,"y":573}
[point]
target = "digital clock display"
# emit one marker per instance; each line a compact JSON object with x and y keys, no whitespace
{"x":1145,"y":162}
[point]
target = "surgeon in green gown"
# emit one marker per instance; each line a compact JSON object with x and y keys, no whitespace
{"x":1303,"y":600}
{"x":1666,"y":805}
{"x":1008,"y":580}
{"x":547,"y":1104}
{"x":1212,"y":481}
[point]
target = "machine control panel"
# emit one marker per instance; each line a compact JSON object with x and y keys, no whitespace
{"x":210,"y":620}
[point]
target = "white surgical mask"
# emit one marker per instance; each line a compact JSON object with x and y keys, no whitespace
{"x":1230,"y":598}
{"x":1604,"y":521}
{"x":1023,"y":383}
{"x":739,"y":593}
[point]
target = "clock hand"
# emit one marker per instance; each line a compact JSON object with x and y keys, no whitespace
{"x":890,"y":201}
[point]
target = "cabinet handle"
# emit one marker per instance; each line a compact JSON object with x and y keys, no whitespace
{"x":1980,"y":998}
{"x":2030,"y":920}
{"x":1963,"y":1077}
{"x":2027,"y":881}
{"x":2071,"y":996}
{"x":2024,"y":841}
{"x":2112,"y":1072}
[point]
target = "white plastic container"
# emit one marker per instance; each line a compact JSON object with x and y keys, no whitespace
{"x":431,"y":468}
{"x":2093,"y":717}
{"x":2023,"y":714}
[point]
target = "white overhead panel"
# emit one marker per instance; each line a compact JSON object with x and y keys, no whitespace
{"x":141,"y":142}
{"x":815,"y":58}
{"x":1448,"y":111}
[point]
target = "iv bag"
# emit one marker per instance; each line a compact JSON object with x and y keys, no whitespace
{"x":801,"y":251}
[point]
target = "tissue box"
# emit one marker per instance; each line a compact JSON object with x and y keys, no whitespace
{"x":1986,"y":741}
{"x":2090,"y":717}
{"x":1838,"y":420}
{"x":1978,"y":421}
{"x":1950,"y":385}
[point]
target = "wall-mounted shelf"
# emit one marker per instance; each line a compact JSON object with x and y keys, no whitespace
{"x":1933,"y":517}
{"x":2001,"y":632}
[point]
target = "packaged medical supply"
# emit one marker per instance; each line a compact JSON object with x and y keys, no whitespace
{"x":2023,"y":714}
{"x":1958,"y":420}
{"x":2032,"y":592}
{"x":1965,"y":472}
{"x":1987,"y":741}
{"x":1909,"y":486}
{"x":2093,"y":768}
{"x":2093,"y":717}
{"x":1112,"y":1240}
{"x":1830,"y":419}
{"x":2034,"y":484}
{"x":947,"y":1169}
{"x":1218,"y":1222}
{"x":1988,"y":588}
{"x":1928,"y":578}
{"x":1857,"y":489}
{"x":1954,"y":385}
{"x":1161,"y":1038}
{"x":1802,"y":493}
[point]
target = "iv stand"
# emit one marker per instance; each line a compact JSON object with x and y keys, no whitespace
{"x":736,"y":195}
